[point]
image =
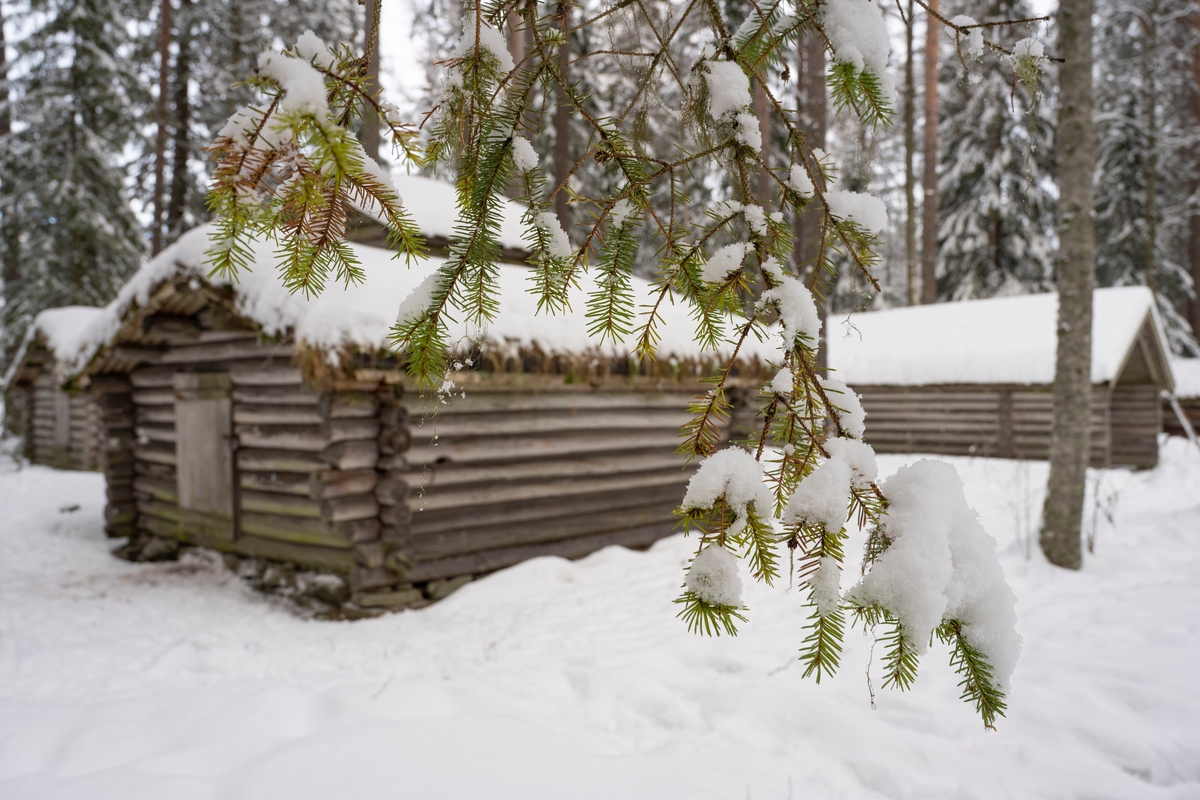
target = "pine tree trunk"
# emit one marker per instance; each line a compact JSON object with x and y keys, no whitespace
{"x":181,"y":146}
{"x":160,"y":119}
{"x":1150,"y":262}
{"x":912,"y":279}
{"x":562,"y":134}
{"x":766,"y":187}
{"x":1194,"y":215}
{"x":810,"y":80}
{"x":370,"y":140}
{"x":1069,"y":441}
{"x":929,"y":200}
{"x":8,"y":232}
{"x":516,"y":48}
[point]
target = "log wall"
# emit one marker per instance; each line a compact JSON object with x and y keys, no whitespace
{"x":1008,"y":422}
{"x":62,"y":429}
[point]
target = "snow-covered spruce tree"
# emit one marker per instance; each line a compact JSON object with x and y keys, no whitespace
{"x":214,"y":45}
{"x":70,"y":236}
{"x":995,"y":184}
{"x":1145,"y":136}
{"x":288,"y":167}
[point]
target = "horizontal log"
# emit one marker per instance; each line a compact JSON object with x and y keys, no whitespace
{"x":137,"y":354}
{"x":533,"y":511}
{"x":164,"y":472}
{"x":113,"y":385}
{"x":354,"y":405}
{"x":293,"y":483}
{"x":451,"y":474}
{"x":155,"y":453}
{"x":225,"y":351}
{"x":255,"y":460}
{"x":159,"y":508}
{"x":437,"y":498}
{"x":423,"y":547}
{"x":260,"y":376}
{"x":288,"y":395}
{"x":544,"y":422}
{"x":329,"y":484}
{"x":165,"y":491}
{"x":513,"y":448}
{"x":358,"y":530}
{"x":156,"y":433}
{"x":345,"y":430}
{"x":305,"y":438}
{"x":170,"y":329}
{"x":146,"y":397}
{"x":280,"y":504}
{"x":343,"y":509}
{"x":477,"y":402}
{"x":325,"y":558}
{"x":276,"y":415}
{"x":491,"y":560}
{"x":163,"y":414}
{"x":297,"y":530}
{"x":351,"y":455}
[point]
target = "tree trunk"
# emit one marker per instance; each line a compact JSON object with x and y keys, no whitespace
{"x":912,"y":279}
{"x":1150,"y":264}
{"x":516,"y":48}
{"x":1194,"y":210}
{"x":181,"y":145}
{"x":929,"y":200}
{"x":562,"y":133}
{"x":810,"y":81}
{"x":1069,"y":441}
{"x":766,"y":188}
{"x":160,"y":119}
{"x":370,"y":140}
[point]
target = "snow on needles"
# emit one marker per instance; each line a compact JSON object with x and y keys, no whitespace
{"x":941,"y":564}
{"x":728,"y":88}
{"x":797,"y":311}
{"x":735,"y":475}
{"x":859,"y":35}
{"x":824,"y":496}
{"x":851,"y":414}
{"x":525,"y":158}
{"x":859,"y":207}
{"x":713,"y":577}
{"x":490,"y":41}
{"x":312,"y":48}
{"x":303,"y":87}
{"x":726,"y":260}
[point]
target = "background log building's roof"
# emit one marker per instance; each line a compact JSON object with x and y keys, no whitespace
{"x":1004,"y":340}
{"x":64,"y":333}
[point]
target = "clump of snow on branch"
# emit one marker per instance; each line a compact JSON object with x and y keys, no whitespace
{"x":799,"y":182}
{"x":622,"y":211}
{"x":713,"y":577}
{"x":797,"y":311}
{"x":971,"y":44}
{"x":735,"y":475}
{"x":824,"y":496}
{"x":851,"y":414}
{"x":941,"y":564}
{"x":867,"y":211}
{"x":418,"y":300}
{"x":783,"y":383}
{"x":726,"y":260}
{"x":826,"y":584}
{"x":756,"y":218}
{"x":859,"y":35}
{"x":558,"y":244}
{"x":490,"y":41}
{"x":525,"y":158}
{"x":312,"y":48}
{"x":303,"y":87}
{"x":858,"y":456}
{"x":728,"y":88}
{"x":747,"y":131}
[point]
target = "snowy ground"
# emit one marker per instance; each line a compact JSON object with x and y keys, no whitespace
{"x":573,"y":680}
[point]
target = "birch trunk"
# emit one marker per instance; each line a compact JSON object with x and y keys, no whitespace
{"x":1069,"y":439}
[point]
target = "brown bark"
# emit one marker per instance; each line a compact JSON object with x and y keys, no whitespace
{"x":810,"y":80}
{"x":181,"y":142}
{"x":1194,"y":217}
{"x":1150,"y":257}
{"x":371,"y":140}
{"x":562,"y":134}
{"x":765,"y":190}
{"x":160,"y":119}
{"x":1069,"y":440}
{"x":929,"y":215}
{"x":912,"y":278}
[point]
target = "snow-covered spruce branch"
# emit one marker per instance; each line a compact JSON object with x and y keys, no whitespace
{"x":291,"y":169}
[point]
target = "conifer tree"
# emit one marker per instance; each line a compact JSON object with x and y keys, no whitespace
{"x":289,"y":167}
{"x":62,"y":188}
{"x":995,"y":184}
{"x":1145,"y":134}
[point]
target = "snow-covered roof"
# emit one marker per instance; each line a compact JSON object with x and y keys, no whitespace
{"x":1187,"y":376}
{"x":361,"y":315}
{"x":64,"y":331}
{"x":1000,"y":340}
{"x":433,"y":205}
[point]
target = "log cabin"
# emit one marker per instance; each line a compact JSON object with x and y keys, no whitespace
{"x":58,"y":428}
{"x":279,"y":427}
{"x":975,"y":377}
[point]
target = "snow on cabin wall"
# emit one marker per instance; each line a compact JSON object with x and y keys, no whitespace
{"x":361,"y":315}
{"x":1008,"y":340}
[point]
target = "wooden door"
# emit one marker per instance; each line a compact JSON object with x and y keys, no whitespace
{"x":204,"y":467}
